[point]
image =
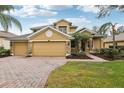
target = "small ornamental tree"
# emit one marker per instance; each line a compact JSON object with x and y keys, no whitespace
{"x":78,"y":38}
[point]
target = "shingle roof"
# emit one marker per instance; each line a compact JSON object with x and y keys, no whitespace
{"x":85,"y":29}
{"x":62,"y":20}
{"x":39,"y":27}
{"x":118,"y":37}
{"x":73,"y":26}
{"x":6,"y":34}
{"x":21,"y":37}
{"x":94,"y":34}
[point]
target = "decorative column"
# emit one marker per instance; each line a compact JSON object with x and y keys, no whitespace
{"x":29,"y":52}
{"x":80,"y":46}
{"x":90,"y":44}
{"x":86,"y":46}
{"x":11,"y":48}
{"x":68,"y":47}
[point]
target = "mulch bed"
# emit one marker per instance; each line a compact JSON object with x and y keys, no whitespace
{"x":108,"y":58}
{"x":77,"y":57}
{"x":3,"y":56}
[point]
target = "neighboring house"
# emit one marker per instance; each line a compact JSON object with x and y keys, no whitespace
{"x":52,"y":40}
{"x":108,"y":42}
{"x":5,"y":39}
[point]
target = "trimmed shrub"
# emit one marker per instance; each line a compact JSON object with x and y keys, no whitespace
{"x":4,"y":52}
{"x":121,"y":53}
{"x":1,"y":48}
{"x":74,"y":53}
{"x":111,"y":52}
{"x":81,"y":53}
{"x":103,"y":50}
{"x":78,"y":53}
{"x":96,"y":51}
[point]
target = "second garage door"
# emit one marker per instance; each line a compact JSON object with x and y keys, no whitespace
{"x":49,"y":49}
{"x":20,"y":49}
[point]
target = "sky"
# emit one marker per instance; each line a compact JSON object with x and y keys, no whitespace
{"x":81,"y":16}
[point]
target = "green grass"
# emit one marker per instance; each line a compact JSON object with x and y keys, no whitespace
{"x":88,"y":75}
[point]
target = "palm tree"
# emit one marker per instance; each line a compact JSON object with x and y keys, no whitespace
{"x":6,"y":20}
{"x":105,"y":10}
{"x":106,"y":27}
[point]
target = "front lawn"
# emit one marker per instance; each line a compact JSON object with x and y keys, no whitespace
{"x":88,"y":75}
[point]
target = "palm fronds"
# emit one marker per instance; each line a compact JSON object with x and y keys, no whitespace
{"x":6,"y":20}
{"x":104,"y":28}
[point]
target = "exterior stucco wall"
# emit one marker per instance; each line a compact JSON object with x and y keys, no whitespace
{"x":68,"y":47}
{"x":4,"y":43}
{"x":107,"y":45}
{"x":119,"y":43}
{"x":96,"y":43}
{"x":72,"y":30}
{"x":102,"y":42}
{"x":86,"y":33}
{"x":63,"y":23}
{"x":42,"y":36}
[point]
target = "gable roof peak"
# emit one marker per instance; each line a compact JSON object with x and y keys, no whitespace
{"x":86,"y":29}
{"x":49,"y":27}
{"x":63,"y":20}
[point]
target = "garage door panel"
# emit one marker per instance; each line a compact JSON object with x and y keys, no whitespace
{"x":49,"y":49}
{"x":20,"y":49}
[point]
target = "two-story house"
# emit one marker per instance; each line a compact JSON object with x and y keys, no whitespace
{"x":52,"y":40}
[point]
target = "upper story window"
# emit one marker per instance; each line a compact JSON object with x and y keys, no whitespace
{"x":63,"y":29}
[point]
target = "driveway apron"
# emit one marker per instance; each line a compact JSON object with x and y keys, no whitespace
{"x":27,"y":72}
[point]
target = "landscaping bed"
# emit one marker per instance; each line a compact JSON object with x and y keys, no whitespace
{"x":88,"y":75}
{"x":4,"y":52}
{"x":110,"y":54}
{"x":78,"y":57}
{"x":107,"y":57}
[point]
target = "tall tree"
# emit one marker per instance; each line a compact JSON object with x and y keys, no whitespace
{"x":106,"y":27}
{"x":105,"y":10}
{"x":6,"y":20}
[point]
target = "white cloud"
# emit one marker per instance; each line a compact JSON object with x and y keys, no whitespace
{"x":51,"y":21}
{"x":118,"y":25}
{"x":32,"y":11}
{"x":78,"y":21}
{"x":88,"y":8}
{"x":46,"y":22}
{"x":56,"y":7}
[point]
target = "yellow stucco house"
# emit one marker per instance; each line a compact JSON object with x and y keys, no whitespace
{"x":53,"y":40}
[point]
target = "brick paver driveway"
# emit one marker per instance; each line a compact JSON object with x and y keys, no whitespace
{"x":21,"y":72}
